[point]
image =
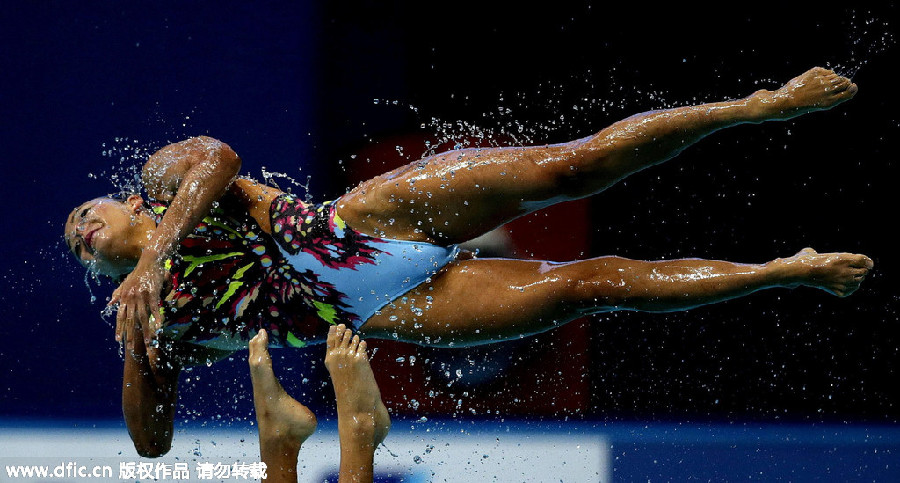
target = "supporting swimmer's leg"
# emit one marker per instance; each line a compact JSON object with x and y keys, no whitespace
{"x":455,"y":196}
{"x":482,"y":301}
{"x":361,"y":413}
{"x":284,"y":423}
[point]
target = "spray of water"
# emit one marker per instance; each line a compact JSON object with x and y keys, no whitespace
{"x":868,"y":38}
{"x":501,"y":125}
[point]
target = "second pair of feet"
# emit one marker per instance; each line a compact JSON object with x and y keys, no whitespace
{"x":285,"y":423}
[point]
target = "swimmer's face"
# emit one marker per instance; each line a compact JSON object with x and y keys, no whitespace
{"x":107,"y":236}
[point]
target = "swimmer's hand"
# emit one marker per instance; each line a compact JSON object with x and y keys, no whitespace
{"x":138,"y":299}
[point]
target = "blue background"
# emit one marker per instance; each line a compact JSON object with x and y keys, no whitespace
{"x":88,"y":89}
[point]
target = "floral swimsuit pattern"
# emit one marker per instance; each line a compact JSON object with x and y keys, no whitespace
{"x":230,"y":279}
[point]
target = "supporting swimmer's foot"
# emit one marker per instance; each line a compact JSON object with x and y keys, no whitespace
{"x":837,"y":273}
{"x":815,"y":90}
{"x":284,"y":423}
{"x":356,"y":391}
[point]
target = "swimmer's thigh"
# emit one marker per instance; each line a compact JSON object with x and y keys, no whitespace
{"x":455,"y":196}
{"x":476,"y":302}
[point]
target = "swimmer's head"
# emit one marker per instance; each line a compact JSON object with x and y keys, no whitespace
{"x":107,"y":234}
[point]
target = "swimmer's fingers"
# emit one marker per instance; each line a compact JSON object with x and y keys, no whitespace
{"x":120,"y":328}
{"x":154,"y":322}
{"x":144,"y":318}
{"x":130,"y":318}
{"x":133,"y":306}
{"x":121,"y":335}
{"x":124,"y":327}
{"x":140,"y":322}
{"x":148,"y":334}
{"x":142,"y":294}
{"x":156,"y":317}
{"x":114,"y":298}
{"x":119,"y":299}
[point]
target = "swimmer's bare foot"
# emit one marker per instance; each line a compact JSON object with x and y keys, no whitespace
{"x":837,"y":273}
{"x":363,"y":421}
{"x":284,"y":423}
{"x":814,"y":90}
{"x":355,"y":388}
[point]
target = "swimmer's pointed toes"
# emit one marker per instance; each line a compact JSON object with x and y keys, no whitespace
{"x":843,"y":85}
{"x":863,"y":262}
{"x":857,"y":261}
{"x":845,"y":88}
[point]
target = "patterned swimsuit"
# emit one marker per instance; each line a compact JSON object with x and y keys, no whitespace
{"x":230,"y":279}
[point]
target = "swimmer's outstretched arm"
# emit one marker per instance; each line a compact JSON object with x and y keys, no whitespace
{"x":191,"y":175}
{"x":149,"y":393}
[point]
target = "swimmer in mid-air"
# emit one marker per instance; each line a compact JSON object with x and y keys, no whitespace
{"x":211,"y":258}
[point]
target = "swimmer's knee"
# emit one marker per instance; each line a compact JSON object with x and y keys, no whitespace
{"x":585,"y":167}
{"x":600,"y":284}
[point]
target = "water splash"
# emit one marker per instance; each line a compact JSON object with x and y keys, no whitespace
{"x":269,"y":177}
{"x":869,"y":37}
{"x":549,"y":110}
{"x":127,"y":158}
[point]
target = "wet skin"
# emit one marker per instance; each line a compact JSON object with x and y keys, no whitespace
{"x":107,"y":236}
{"x":363,"y":420}
{"x":461,"y":194}
{"x":284,"y":423}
